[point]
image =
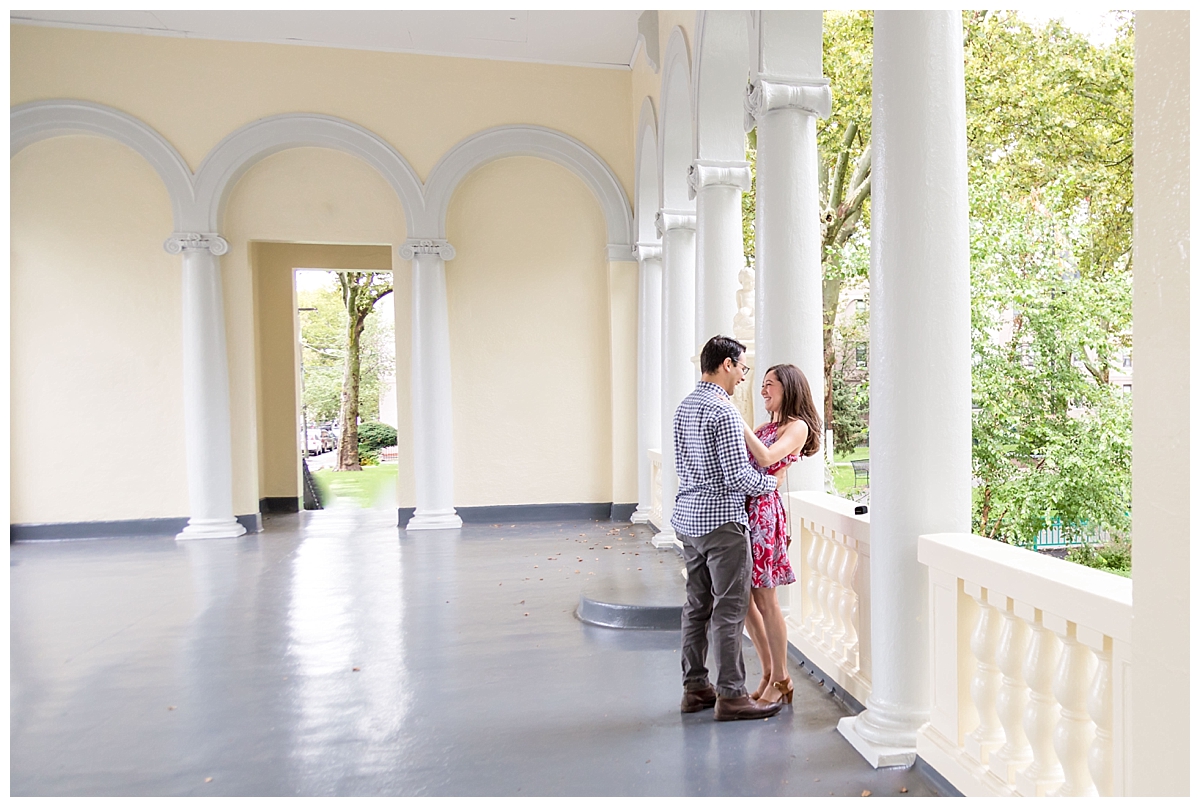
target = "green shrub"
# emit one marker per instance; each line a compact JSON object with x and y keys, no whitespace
{"x":1115,"y":557}
{"x":374,"y":436}
{"x":368,"y":456}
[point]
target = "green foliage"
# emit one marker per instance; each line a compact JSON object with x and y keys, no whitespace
{"x":1050,"y":177}
{"x":374,"y":436}
{"x":851,"y":403}
{"x":368,"y":456}
{"x":323,"y":338}
{"x":1051,"y":440}
{"x":1116,"y":557}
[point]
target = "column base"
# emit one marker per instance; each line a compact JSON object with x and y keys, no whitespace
{"x":880,"y":756}
{"x":641,"y":515}
{"x":446,"y":519}
{"x":666,"y":539}
{"x":211,"y":528}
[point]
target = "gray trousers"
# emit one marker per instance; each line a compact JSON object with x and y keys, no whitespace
{"x":718,"y":592}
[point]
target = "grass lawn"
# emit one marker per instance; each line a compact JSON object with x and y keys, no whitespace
{"x":843,"y":472}
{"x":373,"y":486}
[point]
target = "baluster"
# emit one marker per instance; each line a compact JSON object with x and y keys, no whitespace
{"x":845,"y":575}
{"x":1075,"y":732}
{"x":988,"y":735}
{"x":1013,"y":696}
{"x":853,"y":599}
{"x":1100,"y":707}
{"x":1041,"y":713}
{"x":833,"y":591}
{"x":813,"y":584}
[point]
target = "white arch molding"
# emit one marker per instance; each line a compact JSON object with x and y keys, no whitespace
{"x":197,"y":202}
{"x":530,"y":141}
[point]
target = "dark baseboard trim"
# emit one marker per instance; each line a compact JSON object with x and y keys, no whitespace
{"x":403,"y":514}
{"x":132,"y":528}
{"x":279,"y":504}
{"x":622,"y":512}
{"x":938,"y":782}
{"x":824,"y":680}
{"x":490,"y":514}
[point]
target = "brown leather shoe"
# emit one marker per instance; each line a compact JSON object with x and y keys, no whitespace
{"x":744,"y":709}
{"x":696,"y":700}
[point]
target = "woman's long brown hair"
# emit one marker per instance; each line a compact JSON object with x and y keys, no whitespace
{"x":798,"y":404}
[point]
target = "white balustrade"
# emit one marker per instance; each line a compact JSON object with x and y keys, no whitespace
{"x":831,"y":560}
{"x":1026,"y":706}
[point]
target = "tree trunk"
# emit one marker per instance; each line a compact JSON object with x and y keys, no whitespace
{"x":348,"y":447}
{"x":831,"y":292}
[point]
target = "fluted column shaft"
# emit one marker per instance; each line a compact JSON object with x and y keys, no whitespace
{"x":678,"y":232}
{"x":718,"y":188}
{"x":788,"y":240}
{"x":206,"y":419}
{"x":920,"y":348}
{"x":431,"y":402}
{"x":649,"y":388}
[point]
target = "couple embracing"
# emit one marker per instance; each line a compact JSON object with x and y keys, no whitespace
{"x":732,"y":524}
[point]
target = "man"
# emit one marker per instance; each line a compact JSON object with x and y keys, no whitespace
{"x":715,"y":476}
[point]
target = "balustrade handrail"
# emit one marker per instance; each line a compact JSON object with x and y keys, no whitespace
{"x":1098,"y":599}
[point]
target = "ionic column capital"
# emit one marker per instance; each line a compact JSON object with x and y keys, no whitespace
{"x":196,"y":242}
{"x":413,"y":247}
{"x":674,"y":220}
{"x":647,"y":251}
{"x":766,"y":94}
{"x":703,"y":173}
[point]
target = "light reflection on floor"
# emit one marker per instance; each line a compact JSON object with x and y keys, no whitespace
{"x":151,"y":667}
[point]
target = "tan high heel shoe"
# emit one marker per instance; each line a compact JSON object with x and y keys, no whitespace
{"x":762,"y":687}
{"x":785,"y":690}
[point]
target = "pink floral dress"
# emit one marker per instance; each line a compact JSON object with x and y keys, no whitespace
{"x":768,"y":525}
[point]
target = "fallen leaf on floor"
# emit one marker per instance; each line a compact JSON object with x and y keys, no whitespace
{"x":576,"y":571}
{"x":904,"y":790}
{"x":866,"y":792}
{"x":526,"y":613}
{"x":608,"y":547}
{"x":208,"y":779}
{"x":522,"y":602}
{"x":170,"y":708}
{"x":358,"y":669}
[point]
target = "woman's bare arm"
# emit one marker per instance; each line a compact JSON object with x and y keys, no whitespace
{"x":789,"y":440}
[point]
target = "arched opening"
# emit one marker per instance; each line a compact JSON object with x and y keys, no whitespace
{"x":528,"y":294}
{"x":95,"y":338}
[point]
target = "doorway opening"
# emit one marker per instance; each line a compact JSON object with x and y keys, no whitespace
{"x":346,"y":350}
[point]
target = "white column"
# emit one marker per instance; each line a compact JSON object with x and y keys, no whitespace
{"x":205,"y":388}
{"x":649,"y":390}
{"x":920,"y":355}
{"x":787,"y":282}
{"x":678,"y":232}
{"x":433,"y":443}
{"x":717,"y":187}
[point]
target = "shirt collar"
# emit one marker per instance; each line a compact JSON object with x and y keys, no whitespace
{"x":711,"y":387}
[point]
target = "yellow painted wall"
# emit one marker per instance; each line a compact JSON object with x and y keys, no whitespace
{"x":95,"y":318}
{"x":195,"y":92}
{"x":528,"y":294}
{"x":277,"y":349}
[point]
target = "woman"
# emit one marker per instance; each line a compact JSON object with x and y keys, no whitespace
{"x":793,"y":431}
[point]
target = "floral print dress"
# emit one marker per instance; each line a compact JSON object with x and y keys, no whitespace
{"x":768,"y":524}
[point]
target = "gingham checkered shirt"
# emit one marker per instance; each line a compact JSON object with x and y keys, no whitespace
{"x":715,"y":475}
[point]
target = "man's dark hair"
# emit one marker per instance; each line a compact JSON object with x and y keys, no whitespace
{"x":717,"y":350}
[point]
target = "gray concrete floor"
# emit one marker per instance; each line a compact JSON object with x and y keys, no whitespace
{"x":333,"y":654}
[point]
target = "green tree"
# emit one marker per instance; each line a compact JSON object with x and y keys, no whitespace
{"x":360,"y":292}
{"x":324,"y":338}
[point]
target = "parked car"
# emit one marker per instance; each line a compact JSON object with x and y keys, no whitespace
{"x":329,"y":441}
{"x":314,"y":442}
